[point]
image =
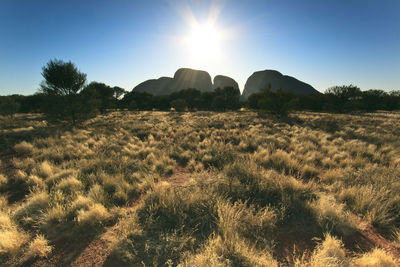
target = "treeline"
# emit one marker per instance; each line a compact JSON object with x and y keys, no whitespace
{"x":64,"y":95}
{"x":338,"y":99}
{"x":99,"y":98}
{"x":187,"y":99}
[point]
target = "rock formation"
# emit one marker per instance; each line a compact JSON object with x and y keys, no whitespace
{"x":260,"y":80}
{"x":221,"y":81}
{"x":183,"y":79}
{"x":159,"y":86}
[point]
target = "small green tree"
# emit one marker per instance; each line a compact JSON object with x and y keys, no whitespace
{"x":62,"y":84}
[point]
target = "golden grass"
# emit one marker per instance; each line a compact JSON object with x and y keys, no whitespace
{"x":24,"y":148}
{"x":11,"y":238}
{"x":250,"y":178}
{"x":39,"y":247}
{"x":330,"y":253}
{"x":94,"y":215}
{"x":376,"y":258}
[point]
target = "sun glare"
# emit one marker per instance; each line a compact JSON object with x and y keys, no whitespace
{"x":204,"y":40}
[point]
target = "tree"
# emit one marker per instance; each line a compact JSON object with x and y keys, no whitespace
{"x":8,"y":106}
{"x":118,"y":93}
{"x":230,"y":96}
{"x":179,"y":104}
{"x":62,"y":84}
{"x":373,"y":100}
{"x":344,"y":98}
{"x":103,"y":93}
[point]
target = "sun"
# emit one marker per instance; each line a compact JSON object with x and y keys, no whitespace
{"x":204,"y":41}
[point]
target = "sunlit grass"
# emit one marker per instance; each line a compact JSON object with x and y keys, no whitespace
{"x":202,"y":188}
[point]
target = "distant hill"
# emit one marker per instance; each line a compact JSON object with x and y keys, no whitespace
{"x":260,"y":80}
{"x":185,"y":78}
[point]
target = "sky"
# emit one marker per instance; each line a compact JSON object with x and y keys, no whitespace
{"x":125,"y":42}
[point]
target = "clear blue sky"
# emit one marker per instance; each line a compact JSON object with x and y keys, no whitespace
{"x":123,"y":43}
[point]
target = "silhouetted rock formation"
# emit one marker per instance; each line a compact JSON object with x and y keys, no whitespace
{"x":260,"y":80}
{"x":221,"y":81}
{"x":183,"y":79}
{"x":161,"y":86}
{"x":189,"y":78}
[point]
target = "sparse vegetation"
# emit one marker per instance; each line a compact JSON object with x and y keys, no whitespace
{"x":203,"y":189}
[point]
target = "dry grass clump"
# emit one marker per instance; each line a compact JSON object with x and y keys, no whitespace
{"x":24,"y":148}
{"x":28,"y":213}
{"x":376,"y":258}
{"x":330,"y":253}
{"x":20,"y":175}
{"x":69,"y":186}
{"x":332,"y":215}
{"x":45,"y":169}
{"x":98,"y":195}
{"x":81,"y":202}
{"x":230,"y":252}
{"x":255,"y":225}
{"x":3,"y":180}
{"x":308,"y":172}
{"x":245,"y":181}
{"x":95,"y":215}
{"x":11,"y":238}
{"x":39,"y":247}
{"x":333,"y":175}
{"x":374,"y":204}
{"x":35,"y":183}
{"x":279,"y":160}
{"x":54,"y":215}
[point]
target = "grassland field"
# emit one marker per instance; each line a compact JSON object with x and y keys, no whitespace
{"x":198,"y":189}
